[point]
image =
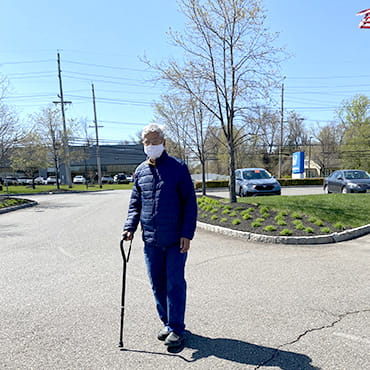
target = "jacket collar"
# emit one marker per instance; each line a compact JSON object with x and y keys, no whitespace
{"x":159,"y":160}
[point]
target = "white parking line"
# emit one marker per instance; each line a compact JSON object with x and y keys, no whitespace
{"x":353,"y":338}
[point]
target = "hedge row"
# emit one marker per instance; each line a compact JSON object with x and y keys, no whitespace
{"x":283,"y":182}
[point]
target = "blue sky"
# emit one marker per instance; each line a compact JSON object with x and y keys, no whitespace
{"x":101,"y":42}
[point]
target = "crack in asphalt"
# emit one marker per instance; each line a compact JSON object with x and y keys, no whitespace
{"x":340,"y":318}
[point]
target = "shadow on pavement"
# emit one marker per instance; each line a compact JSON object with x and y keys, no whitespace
{"x":239,"y":352}
{"x":246,"y":353}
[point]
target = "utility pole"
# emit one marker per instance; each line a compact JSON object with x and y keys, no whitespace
{"x":65,"y":136}
{"x":281,"y":130}
{"x":98,"y":164}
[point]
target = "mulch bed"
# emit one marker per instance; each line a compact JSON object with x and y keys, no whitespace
{"x":246,"y":225}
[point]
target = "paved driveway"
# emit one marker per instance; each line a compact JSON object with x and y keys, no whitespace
{"x":249,"y":305}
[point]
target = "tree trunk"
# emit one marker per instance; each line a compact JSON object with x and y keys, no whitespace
{"x":232,"y":171}
{"x":203,"y":163}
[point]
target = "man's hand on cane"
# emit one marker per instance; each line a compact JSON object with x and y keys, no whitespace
{"x":127,"y":235}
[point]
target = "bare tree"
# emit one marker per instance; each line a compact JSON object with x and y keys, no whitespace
{"x":29,"y":155}
{"x":227,"y":47}
{"x":327,"y":150}
{"x":187,"y":121}
{"x":10,"y":132}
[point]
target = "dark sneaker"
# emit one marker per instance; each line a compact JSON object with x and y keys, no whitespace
{"x":174,"y":340}
{"x":163,"y":334}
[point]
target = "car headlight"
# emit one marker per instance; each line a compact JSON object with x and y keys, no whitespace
{"x":353,"y":185}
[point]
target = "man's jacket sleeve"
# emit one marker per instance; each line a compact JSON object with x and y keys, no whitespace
{"x":134,"y":209}
{"x":189,"y":204}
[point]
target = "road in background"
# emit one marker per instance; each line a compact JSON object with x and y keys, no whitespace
{"x":249,"y":305}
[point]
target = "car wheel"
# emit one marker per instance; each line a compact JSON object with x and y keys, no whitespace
{"x":326,"y":189}
{"x":344,"y":190}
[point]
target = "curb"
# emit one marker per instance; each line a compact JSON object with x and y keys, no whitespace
{"x":31,"y":203}
{"x":318,"y":239}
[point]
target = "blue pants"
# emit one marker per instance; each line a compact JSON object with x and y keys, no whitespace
{"x":166,"y":269}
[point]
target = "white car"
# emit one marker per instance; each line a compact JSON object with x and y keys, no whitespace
{"x":52,"y":180}
{"x":24,"y":180}
{"x":39,"y":180}
{"x":79,"y":180}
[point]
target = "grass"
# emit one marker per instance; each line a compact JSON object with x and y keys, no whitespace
{"x":343,"y":209}
{"x":27,"y":189}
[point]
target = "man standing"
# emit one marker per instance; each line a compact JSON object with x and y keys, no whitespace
{"x":163,"y":201}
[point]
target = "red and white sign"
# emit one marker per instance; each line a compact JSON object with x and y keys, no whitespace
{"x":365,"y":22}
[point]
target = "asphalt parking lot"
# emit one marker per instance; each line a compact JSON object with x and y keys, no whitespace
{"x":250,"y":305}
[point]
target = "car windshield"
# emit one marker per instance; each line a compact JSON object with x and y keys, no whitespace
{"x":255,"y":175}
{"x":353,"y":175}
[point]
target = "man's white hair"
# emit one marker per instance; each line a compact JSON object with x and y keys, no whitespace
{"x":153,"y":127}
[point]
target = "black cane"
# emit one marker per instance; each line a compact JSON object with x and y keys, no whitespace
{"x":124,"y":262}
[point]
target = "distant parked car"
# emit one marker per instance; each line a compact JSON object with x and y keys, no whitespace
{"x":79,"y":179}
{"x":255,"y":181}
{"x":23,"y":180}
{"x":130,"y":178}
{"x":10,"y":180}
{"x":52,"y":180}
{"x":39,"y":180}
{"x":347,"y":181}
{"x":107,"y":180}
{"x":120,"y":178}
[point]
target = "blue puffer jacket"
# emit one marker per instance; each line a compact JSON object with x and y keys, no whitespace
{"x":163,"y":200}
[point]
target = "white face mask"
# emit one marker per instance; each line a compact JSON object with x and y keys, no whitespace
{"x":153,"y":151}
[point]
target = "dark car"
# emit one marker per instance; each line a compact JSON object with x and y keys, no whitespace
{"x":120,"y":178}
{"x":10,"y":180}
{"x":255,"y":181}
{"x":347,"y":181}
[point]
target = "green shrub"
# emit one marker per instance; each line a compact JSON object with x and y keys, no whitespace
{"x":264,"y":209}
{"x":214,"y":217}
{"x":296,"y":222}
{"x":214,"y":210}
{"x":225,"y":212}
{"x":286,"y":232}
{"x":270,"y":228}
{"x":318,"y":223}
{"x":223,"y":219}
{"x":281,"y":222}
{"x":250,"y":209}
{"x":296,"y":215}
{"x":339,"y":226}
{"x":309,"y":230}
{"x":255,"y":224}
{"x":299,"y":226}
{"x":232,"y":214}
{"x":312,"y":220}
{"x":325,"y":230}
{"x":235,"y":221}
{"x":246,"y":216}
{"x":204,"y":215}
{"x":260,"y":219}
{"x":283,"y":213}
